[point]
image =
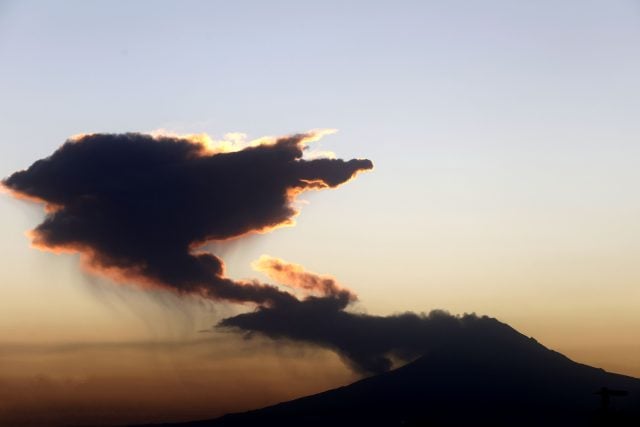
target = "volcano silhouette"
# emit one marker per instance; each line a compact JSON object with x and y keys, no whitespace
{"x":489,"y":376}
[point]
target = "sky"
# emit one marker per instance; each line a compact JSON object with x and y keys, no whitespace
{"x":504,"y":136}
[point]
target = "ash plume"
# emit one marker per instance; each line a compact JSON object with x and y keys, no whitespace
{"x":368,"y":344}
{"x":137,"y":207}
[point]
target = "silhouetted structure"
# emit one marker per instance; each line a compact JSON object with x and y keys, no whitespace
{"x":606,"y":394}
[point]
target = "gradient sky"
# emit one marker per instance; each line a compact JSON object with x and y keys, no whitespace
{"x":505,"y":137}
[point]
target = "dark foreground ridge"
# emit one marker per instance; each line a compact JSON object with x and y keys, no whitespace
{"x":490,"y":375}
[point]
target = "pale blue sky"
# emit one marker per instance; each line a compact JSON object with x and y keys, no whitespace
{"x":505,"y":136}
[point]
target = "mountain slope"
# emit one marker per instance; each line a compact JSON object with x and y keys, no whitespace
{"x":490,"y":375}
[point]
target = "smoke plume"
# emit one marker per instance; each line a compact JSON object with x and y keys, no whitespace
{"x":137,"y":207}
{"x":368,"y":344}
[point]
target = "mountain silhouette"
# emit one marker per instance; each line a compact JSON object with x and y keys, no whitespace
{"x":489,"y":376}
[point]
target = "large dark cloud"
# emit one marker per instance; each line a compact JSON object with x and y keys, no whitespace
{"x":137,"y":206}
{"x":367,"y":343}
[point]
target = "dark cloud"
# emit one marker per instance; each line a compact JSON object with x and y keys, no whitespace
{"x":367,"y":343}
{"x":138,"y":206}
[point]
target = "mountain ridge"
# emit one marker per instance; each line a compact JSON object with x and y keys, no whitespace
{"x":489,"y":374}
